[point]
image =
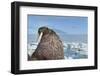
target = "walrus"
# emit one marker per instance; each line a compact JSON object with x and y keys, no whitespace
{"x":50,"y":46}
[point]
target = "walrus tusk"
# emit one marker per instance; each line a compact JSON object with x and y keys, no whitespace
{"x":39,"y":38}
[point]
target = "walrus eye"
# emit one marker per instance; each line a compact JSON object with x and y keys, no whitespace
{"x":39,"y":38}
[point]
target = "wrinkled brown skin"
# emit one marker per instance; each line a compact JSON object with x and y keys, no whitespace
{"x":50,"y":46}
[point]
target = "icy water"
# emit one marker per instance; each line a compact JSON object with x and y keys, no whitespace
{"x":75,"y":54}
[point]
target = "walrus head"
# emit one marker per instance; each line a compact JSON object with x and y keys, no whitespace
{"x":43,"y":31}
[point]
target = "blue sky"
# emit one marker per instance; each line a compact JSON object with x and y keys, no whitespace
{"x":67,"y":24}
